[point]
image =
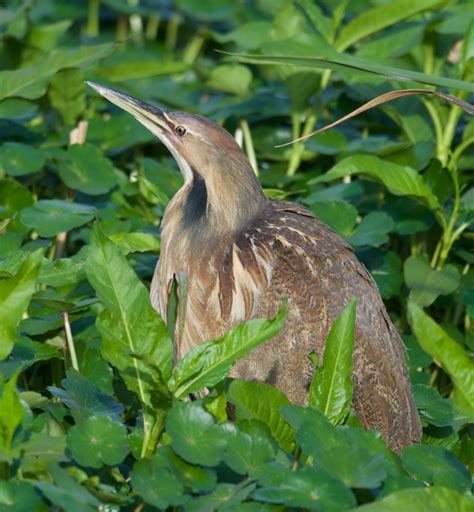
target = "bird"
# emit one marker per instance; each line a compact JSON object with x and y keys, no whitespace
{"x":244,"y":254}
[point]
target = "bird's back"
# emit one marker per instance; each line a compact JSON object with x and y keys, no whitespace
{"x":288,"y":253}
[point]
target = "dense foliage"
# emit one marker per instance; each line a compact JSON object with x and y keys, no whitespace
{"x":92,"y":413}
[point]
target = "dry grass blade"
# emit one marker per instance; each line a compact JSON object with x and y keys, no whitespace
{"x":384,"y":98}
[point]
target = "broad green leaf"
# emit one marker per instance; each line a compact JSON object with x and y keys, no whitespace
{"x":31,"y":82}
{"x":380,"y":17}
{"x":448,"y":353}
{"x":18,"y":496}
{"x":136,"y":242}
{"x":339,"y":215}
{"x":227,"y":497}
{"x":372,"y":230}
{"x":195,"y":436}
{"x":209,"y":362}
{"x":427,"y":283}
{"x":85,"y":399}
{"x":398,"y":179}
{"x":66,"y":492}
{"x":357,"y":457}
{"x":134,"y":337}
{"x":197,"y":478}
{"x":11,"y":413}
{"x":67,"y":94}
{"x":421,"y":500}
{"x":15,"y":295}
{"x":331,"y":387}
{"x":52,"y":216}
{"x":86,"y":169}
{"x":232,"y":78}
{"x":64,"y":271}
{"x":432,"y":408}
{"x":155,"y":483}
{"x":247,"y":36}
{"x":211,"y":10}
{"x":434,"y":465}
{"x":348,"y":63}
{"x":386,"y":268}
{"x":18,"y":159}
{"x":309,"y":489}
{"x":97,"y":441}
{"x":250,"y":447}
{"x":262,"y":401}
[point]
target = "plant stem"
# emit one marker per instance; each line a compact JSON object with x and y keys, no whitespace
{"x":70,"y":341}
{"x":93,"y":18}
{"x":193,"y":49}
{"x":298,"y":147}
{"x":152,"y":25}
{"x":249,"y":145}
{"x":172,"y":28}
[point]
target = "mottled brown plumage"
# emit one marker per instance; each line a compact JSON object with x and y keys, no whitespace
{"x":243,"y":254}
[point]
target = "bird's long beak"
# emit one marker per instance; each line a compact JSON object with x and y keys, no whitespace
{"x":152,"y":117}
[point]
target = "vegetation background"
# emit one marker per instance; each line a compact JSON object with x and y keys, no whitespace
{"x":92,"y":416}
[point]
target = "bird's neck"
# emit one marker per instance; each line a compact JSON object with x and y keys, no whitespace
{"x":216,"y":206}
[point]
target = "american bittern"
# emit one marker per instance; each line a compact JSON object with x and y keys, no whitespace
{"x":244,"y":254}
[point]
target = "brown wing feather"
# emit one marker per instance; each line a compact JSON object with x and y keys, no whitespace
{"x":318,"y":272}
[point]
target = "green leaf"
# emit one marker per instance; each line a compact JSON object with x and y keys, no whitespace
{"x":448,"y":353}
{"x":399,"y":180}
{"x":427,"y":283}
{"x":331,"y":387}
{"x":348,"y":63}
{"x":421,"y":500}
{"x":86,"y":169}
{"x":155,"y":483}
{"x":434,"y":465}
{"x":97,"y":441}
{"x":339,"y":215}
{"x":357,"y":457}
{"x":432,"y":408}
{"x":134,"y":337}
{"x":232,"y":78}
{"x":140,"y":68}
{"x":262,"y":401}
{"x":195,"y":436}
{"x":136,"y":242}
{"x":52,"y":216}
{"x":209,"y":362}
{"x":380,"y":17}
{"x":386,"y":268}
{"x":67,"y":94}
{"x":20,"y":497}
{"x":67,"y":493}
{"x":227,"y":497}
{"x":250,"y":447}
{"x":372,"y":230}
{"x":11,"y":413}
{"x":195,"y":477}
{"x":18,"y":159}
{"x":31,"y":82}
{"x":311,"y":490}
{"x":15,"y":295}
{"x":64,"y":271}
{"x":86,"y":399}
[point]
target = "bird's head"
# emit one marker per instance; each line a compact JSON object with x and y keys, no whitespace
{"x":218,"y":176}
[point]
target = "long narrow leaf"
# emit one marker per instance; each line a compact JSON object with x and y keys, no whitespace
{"x":448,"y":353}
{"x":348,"y":62}
{"x":384,"y":98}
{"x":210,"y":361}
{"x":331,"y":388}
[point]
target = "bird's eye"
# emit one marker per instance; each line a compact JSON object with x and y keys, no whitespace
{"x":180,"y":130}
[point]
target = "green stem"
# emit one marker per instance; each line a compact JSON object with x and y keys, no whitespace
{"x":459,"y":150}
{"x":93,"y":18}
{"x":193,"y":49}
{"x":172,"y":28}
{"x":298,"y":147}
{"x":249,"y":145}
{"x":152,"y":25}
{"x":150,"y":442}
{"x":437,"y":126}
{"x":70,"y":341}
